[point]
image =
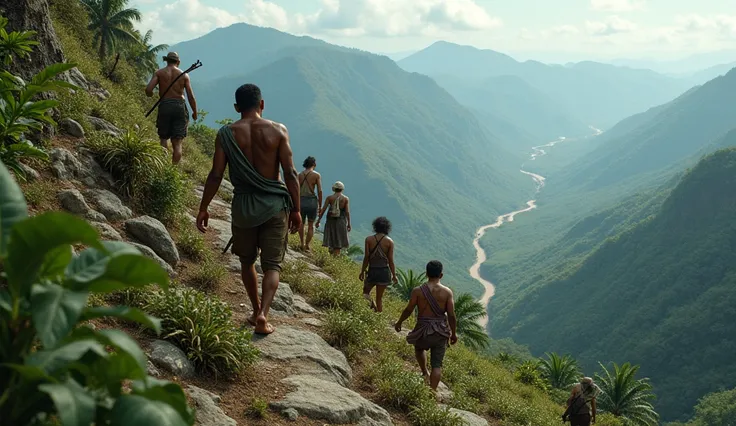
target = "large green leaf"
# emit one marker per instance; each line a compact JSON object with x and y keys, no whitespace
{"x":165,"y":391}
{"x":135,"y":410}
{"x":54,"y":359}
{"x":56,"y":262}
{"x":55,"y":311}
{"x":124,"y":344}
{"x":74,"y":405}
{"x":32,"y":239}
{"x":30,"y":373}
{"x":130,"y":270}
{"x":91,"y":263}
{"x":125,"y":312}
{"x":12,"y":207}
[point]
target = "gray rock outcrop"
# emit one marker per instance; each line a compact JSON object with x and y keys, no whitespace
{"x":328,"y":401}
{"x":73,"y":201}
{"x":71,"y":128}
{"x":109,"y":204}
{"x":283,"y":301}
{"x":470,"y":419}
{"x":208,"y":411}
{"x":108,"y":233}
{"x":146,"y":251}
{"x":307,"y":350}
{"x":153,"y":233}
{"x":171,"y":358}
{"x":31,"y":173}
{"x":104,"y":126}
{"x":65,"y":165}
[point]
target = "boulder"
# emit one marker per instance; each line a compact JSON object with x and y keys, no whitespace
{"x":73,"y":201}
{"x":301,"y":305}
{"x":223,"y":229}
{"x":107,"y":232}
{"x":109,"y":204}
{"x":309,"y":350}
{"x":71,"y":128}
{"x":208,"y":411}
{"x":146,"y":251}
{"x":95,"y":217}
{"x":104,"y":126}
{"x":171,"y":358}
{"x":283,"y":301}
{"x":328,"y":401}
{"x":468,"y":418}
{"x":233,"y":265}
{"x":152,"y":370}
{"x":290,"y":414}
{"x":96,"y":175}
{"x":65,"y":165}
{"x":444,"y":394}
{"x":153,"y":233}
{"x":314,"y":322}
{"x":31,"y":173}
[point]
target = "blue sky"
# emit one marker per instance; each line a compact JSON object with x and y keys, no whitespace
{"x":547,"y":29}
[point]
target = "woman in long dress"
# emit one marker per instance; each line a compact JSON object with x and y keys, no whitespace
{"x":337,"y":226}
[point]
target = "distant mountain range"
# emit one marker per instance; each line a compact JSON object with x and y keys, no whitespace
{"x":598,"y":94}
{"x":401,"y":144}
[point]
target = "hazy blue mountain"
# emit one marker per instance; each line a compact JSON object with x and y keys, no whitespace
{"x":514,"y":100}
{"x":710,"y":73}
{"x":657,"y":289}
{"x":598,"y":94}
{"x":401,"y":144}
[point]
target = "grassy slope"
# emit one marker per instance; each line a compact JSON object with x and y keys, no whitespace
{"x":401,"y":144}
{"x":673,"y":272}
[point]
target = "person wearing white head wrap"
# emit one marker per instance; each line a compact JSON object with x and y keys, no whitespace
{"x":581,"y":409}
{"x":337,"y":226}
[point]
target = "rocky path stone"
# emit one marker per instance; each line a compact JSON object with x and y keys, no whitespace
{"x":470,"y":419}
{"x":153,"y":233}
{"x":107,"y":232}
{"x":208,"y":411}
{"x":328,"y":401}
{"x":171,"y":358}
{"x":73,"y":201}
{"x":146,"y":251}
{"x":109,"y":204}
{"x":308,"y":351}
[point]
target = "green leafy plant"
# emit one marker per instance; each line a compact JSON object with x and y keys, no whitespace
{"x":207,"y":274}
{"x":625,"y":396}
{"x":354,"y":251}
{"x":51,"y":366}
{"x":468,"y":311}
{"x":258,"y":408}
{"x":131,"y":158}
{"x":408,"y":280}
{"x":21,"y":111}
{"x":352,"y":331}
{"x":528,"y":373}
{"x":165,"y":194}
{"x":561,"y":372}
{"x":202,"y":327}
{"x":191,"y":243}
{"x":428,"y":413}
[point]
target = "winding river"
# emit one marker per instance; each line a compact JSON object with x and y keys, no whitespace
{"x":480,"y":253}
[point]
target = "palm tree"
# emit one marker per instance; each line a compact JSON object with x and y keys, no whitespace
{"x":408,"y":281}
{"x":354,"y":251}
{"x":146,"y":55}
{"x":468,"y":311}
{"x":625,"y":396}
{"x":561,"y":372}
{"x":111,"y":23}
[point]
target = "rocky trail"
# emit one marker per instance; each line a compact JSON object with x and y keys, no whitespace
{"x":304,"y":379}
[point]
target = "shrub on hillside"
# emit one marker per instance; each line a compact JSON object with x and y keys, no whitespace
{"x":353,"y":331}
{"x":528,"y":373}
{"x":338,"y":295}
{"x":190,"y":242}
{"x":428,"y":413}
{"x":53,"y":369}
{"x":207,"y":274}
{"x":258,"y":408}
{"x":395,"y":385}
{"x":166,"y":194}
{"x":202,"y":327}
{"x":297,"y":274}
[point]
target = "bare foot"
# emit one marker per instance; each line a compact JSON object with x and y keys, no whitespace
{"x":262,"y":326}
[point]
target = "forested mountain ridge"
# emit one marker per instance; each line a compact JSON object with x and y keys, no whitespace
{"x":598,"y":94}
{"x":402,"y":145}
{"x":658,"y":138}
{"x":659,"y":294}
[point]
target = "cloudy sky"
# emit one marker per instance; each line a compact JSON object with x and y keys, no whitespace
{"x":563,"y":29}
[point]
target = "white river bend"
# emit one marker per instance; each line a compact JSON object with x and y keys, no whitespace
{"x":480,"y":254}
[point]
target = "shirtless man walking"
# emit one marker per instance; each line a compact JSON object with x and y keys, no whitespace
{"x":264,"y":209}
{"x":432,"y":332}
{"x":308,"y":181}
{"x":173,"y":116}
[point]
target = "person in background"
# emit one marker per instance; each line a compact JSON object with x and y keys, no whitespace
{"x":581,"y":408}
{"x":264,"y":208}
{"x":173,"y":118}
{"x":337,"y":226}
{"x":309,"y":180}
{"x":379,"y":262}
{"x":436,"y":324}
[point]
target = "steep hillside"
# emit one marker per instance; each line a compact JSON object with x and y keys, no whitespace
{"x":658,"y":138}
{"x":221,"y":54}
{"x":659,"y":294}
{"x":515,"y":101}
{"x":598,"y":94}
{"x":402,"y":145}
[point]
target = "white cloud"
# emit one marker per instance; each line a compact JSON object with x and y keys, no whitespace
{"x":610,"y":26}
{"x":565,"y":30}
{"x":387,"y":18}
{"x":617,"y":5}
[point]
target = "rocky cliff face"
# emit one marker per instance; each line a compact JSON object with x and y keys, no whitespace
{"x":33,"y":15}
